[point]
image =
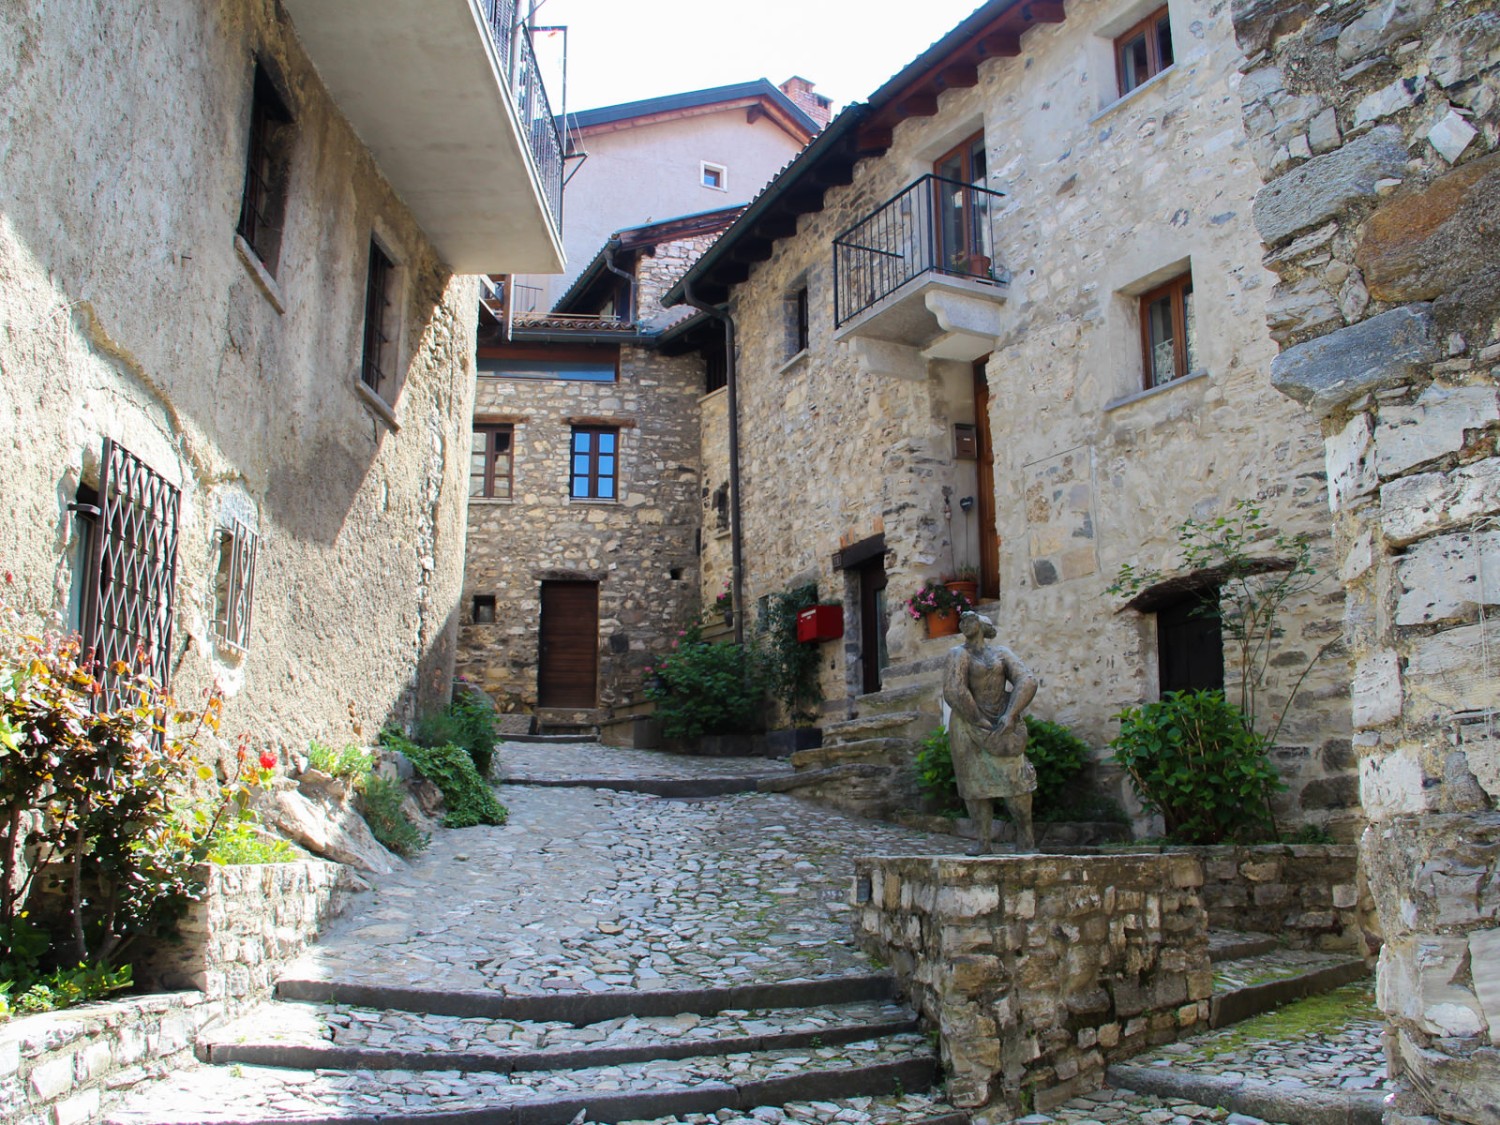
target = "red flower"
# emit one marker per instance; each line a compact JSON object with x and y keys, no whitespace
{"x":267,"y":760}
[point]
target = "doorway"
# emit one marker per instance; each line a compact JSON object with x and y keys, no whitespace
{"x":568,"y":645}
{"x":963,"y":229}
{"x":873,"y":655}
{"x":989,"y":533}
{"x":1190,"y":643}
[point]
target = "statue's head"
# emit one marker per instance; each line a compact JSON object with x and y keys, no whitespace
{"x":974,"y":625}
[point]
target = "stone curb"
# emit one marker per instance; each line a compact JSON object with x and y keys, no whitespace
{"x":319,"y":1057}
{"x":1253,"y":999}
{"x":580,"y":1008}
{"x":910,"y":1074}
{"x":655,"y":786}
{"x":1289,"y":1105}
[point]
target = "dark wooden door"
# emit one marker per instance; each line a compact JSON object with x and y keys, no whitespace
{"x":1190,"y":645}
{"x":568,"y":657}
{"x":989,"y":534}
{"x":872,"y":622}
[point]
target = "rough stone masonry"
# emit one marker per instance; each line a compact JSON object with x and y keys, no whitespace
{"x":1375,"y":127}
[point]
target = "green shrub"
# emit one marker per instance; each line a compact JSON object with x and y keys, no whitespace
{"x":381,"y":799}
{"x":791,"y":667}
{"x":64,"y":988}
{"x":935,"y":772}
{"x":703,"y":688}
{"x":1059,"y":756}
{"x":466,"y":722}
{"x":469,"y":799}
{"x":1193,"y":758}
{"x":239,"y":843}
{"x":353,"y":763}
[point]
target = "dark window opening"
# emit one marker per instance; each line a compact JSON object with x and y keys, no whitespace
{"x":800,"y":334}
{"x":379,"y":330}
{"x":715,"y":365}
{"x":721,"y":508}
{"x":675,"y":573}
{"x":85,"y":508}
{"x":484,"y":609}
{"x":1190,"y":643}
{"x":491,"y":462}
{"x":263,"y":202}
{"x":1168,"y":331}
{"x":1144,"y":51}
{"x":594,"y":457}
{"x":234,"y":585}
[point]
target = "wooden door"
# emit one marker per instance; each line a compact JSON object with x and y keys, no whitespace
{"x":872,"y":622}
{"x":1190,"y":645}
{"x":989,"y":533}
{"x":568,"y":657}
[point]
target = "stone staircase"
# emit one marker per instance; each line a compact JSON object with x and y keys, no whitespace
{"x":324,"y":1052}
{"x":565,"y":724}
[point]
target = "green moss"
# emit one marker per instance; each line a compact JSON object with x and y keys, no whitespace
{"x":1312,"y":1017}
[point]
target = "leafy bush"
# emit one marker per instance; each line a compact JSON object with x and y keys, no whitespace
{"x":466,"y":722}
{"x":703,"y":688}
{"x":240,"y":844}
{"x":1193,"y":757}
{"x":791,"y":667}
{"x":352,"y":763}
{"x":64,"y":988}
{"x":469,"y":799}
{"x":935,"y":772}
{"x":1059,"y":756}
{"x":382,"y":799}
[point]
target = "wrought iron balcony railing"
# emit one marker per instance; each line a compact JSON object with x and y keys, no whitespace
{"x":933,"y":226}
{"x":518,"y":62}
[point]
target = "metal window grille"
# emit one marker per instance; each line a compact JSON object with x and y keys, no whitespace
{"x":234,"y":585}
{"x":132,"y":577}
{"x":377,"y":304}
{"x":261,"y":204}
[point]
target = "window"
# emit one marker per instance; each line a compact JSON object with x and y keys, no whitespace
{"x":721,"y":508}
{"x":491,"y":461}
{"x":1167,"y":331}
{"x":263,"y":204}
{"x":963,"y":213}
{"x":379,"y":318}
{"x":234,"y":585}
{"x":796,"y":321}
{"x":595,"y":450}
{"x":1144,"y":51}
{"x":600,"y":369}
{"x":715,"y":364}
{"x":1190,"y":643}
{"x":714,"y":176}
{"x":484,"y":609}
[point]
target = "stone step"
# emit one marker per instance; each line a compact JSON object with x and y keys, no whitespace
{"x":568,"y":736}
{"x":581,"y":1008}
{"x":682,"y":787}
{"x":253,"y":1095}
{"x":1234,"y":945}
{"x":895,"y":724}
{"x":920,"y":671}
{"x":912,"y":697}
{"x":1247,"y":986}
{"x":345,"y":1037}
{"x":879,"y":751}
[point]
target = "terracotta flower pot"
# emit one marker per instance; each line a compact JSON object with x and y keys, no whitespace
{"x":943,"y":623}
{"x":969,"y":589}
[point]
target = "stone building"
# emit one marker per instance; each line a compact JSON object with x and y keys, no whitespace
{"x":680,"y":154}
{"x":1375,"y":127}
{"x":584,"y":504}
{"x":237,"y":335}
{"x":1010,"y":313}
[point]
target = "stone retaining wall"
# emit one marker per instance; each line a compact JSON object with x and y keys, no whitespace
{"x":1039,"y":971}
{"x":56,"y":1068}
{"x":1311,"y":896}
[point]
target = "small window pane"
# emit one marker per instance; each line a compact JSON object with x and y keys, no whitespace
{"x":581,"y":465}
{"x":581,"y":488}
{"x":581,"y":442}
{"x":1164,"y":42}
{"x":479,"y":440}
{"x":606,"y":489}
{"x":606,"y":466}
{"x":1162,"y":348}
{"x":606,"y":443}
{"x":1192,"y":333}
{"x":1134,"y":63}
{"x":476,"y":485}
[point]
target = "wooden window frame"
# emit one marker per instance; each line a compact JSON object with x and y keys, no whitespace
{"x":1154,"y":64}
{"x":721,"y":173}
{"x":263,"y":197}
{"x":1176,"y":290}
{"x":380,"y":280}
{"x":963,"y":257}
{"x":493,"y":457}
{"x":593,"y":476}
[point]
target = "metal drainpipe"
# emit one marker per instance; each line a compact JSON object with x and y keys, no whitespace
{"x":736,"y":557}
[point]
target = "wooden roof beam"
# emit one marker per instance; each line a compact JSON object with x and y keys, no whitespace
{"x":1000,"y":45}
{"x":1043,"y":11}
{"x":964,"y":76}
{"x":872,"y":140}
{"x":923,"y":104}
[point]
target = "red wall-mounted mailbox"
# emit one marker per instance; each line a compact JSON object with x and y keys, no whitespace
{"x":820,"y":623}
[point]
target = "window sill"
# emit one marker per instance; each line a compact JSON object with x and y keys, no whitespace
{"x":1137,"y":396}
{"x":724,"y":534}
{"x":501,"y":501}
{"x":1150,"y":84}
{"x":717,"y":392}
{"x":376,"y":405}
{"x":593,"y":500}
{"x":258,"y":271}
{"x":794,"y":361}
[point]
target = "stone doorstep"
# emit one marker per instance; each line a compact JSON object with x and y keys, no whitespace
{"x":582,"y":734}
{"x":1234,"y":945}
{"x":1272,"y":1102}
{"x":655,"y":786}
{"x":329,"y":1056}
{"x":911,"y":1074}
{"x":891,"y":724}
{"x":911,"y":697}
{"x":1251,"y":1000}
{"x":880,"y":751}
{"x":581,"y":1008}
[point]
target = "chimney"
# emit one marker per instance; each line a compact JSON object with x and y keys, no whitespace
{"x":816,"y":106}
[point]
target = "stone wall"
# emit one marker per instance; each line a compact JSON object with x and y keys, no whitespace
{"x":132,"y":310}
{"x":641,"y":548}
{"x":1375,"y":128}
{"x":1039,"y":971}
{"x":56,"y":1068}
{"x":1311,"y":896}
{"x":1090,"y":472}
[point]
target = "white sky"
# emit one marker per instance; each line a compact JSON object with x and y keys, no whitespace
{"x":623,"y":50}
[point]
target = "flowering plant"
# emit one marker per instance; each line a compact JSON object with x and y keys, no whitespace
{"x":725,"y":601}
{"x":934,"y":597}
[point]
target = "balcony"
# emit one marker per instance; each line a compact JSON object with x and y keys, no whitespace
{"x":917,"y":278}
{"x":447,"y":95}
